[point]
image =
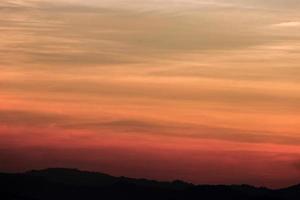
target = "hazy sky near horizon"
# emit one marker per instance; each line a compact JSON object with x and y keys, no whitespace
{"x":206,"y":91}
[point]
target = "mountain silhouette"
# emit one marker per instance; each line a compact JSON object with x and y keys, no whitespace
{"x":73,"y":184}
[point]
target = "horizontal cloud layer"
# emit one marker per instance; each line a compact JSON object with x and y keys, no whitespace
{"x":207,"y":86}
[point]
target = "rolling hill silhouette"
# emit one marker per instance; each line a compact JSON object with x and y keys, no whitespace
{"x":72,"y":184}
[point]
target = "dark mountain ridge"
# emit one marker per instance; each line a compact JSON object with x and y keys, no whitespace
{"x":61,"y":183}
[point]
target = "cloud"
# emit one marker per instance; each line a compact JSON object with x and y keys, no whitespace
{"x":59,"y":40}
{"x":142,"y":126}
{"x":17,"y":117}
{"x":68,"y":33}
{"x":185,"y":130}
{"x":296,"y":164}
{"x":290,"y":24}
{"x":244,"y":136}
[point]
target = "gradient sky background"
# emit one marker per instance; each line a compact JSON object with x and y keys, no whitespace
{"x":207,"y":91}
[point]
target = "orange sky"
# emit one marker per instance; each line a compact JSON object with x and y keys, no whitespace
{"x":205,"y":91}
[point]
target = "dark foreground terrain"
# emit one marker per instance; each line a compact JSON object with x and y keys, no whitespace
{"x":72,"y":184}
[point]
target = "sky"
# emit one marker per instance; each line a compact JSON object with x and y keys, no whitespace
{"x":207,"y":91}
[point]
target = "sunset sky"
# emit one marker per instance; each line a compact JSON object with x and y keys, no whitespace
{"x":207,"y":91}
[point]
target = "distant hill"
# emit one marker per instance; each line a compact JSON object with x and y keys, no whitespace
{"x":72,"y":184}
